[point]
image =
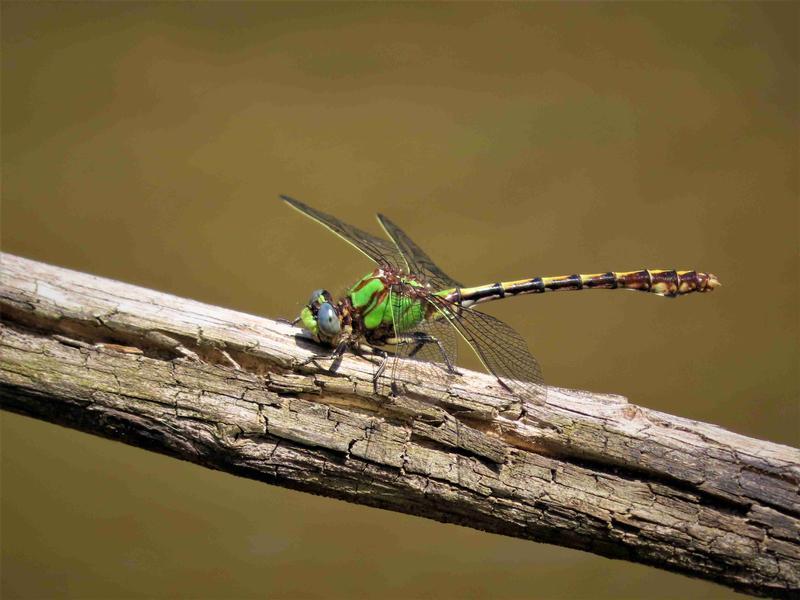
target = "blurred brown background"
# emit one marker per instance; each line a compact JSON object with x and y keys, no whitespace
{"x":148,"y":143}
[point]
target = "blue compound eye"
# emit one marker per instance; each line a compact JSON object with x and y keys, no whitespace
{"x":315,"y":297}
{"x":328,"y":320}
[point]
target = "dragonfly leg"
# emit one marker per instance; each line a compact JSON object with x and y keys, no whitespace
{"x":420,"y":339}
{"x":504,"y":385}
{"x":287,"y":321}
{"x":369,"y":353}
{"x":335,"y":356}
{"x":309,"y":360}
{"x":379,"y":372}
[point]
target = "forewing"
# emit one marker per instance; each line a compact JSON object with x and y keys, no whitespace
{"x":381,"y":251}
{"x":503,"y":352}
{"x":419,"y":262}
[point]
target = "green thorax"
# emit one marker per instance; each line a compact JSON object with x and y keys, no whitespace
{"x":378,"y":307}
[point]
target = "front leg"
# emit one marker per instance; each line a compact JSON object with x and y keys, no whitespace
{"x":292,"y":322}
{"x":335,"y":356}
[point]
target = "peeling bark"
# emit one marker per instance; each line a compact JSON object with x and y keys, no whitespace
{"x":224,"y":389}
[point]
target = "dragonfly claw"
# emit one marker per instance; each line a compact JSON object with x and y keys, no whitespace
{"x":293,"y":322}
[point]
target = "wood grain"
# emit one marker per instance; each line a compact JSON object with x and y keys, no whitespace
{"x":224,"y":389}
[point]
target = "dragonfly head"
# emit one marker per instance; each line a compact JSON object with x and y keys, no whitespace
{"x":320,"y":317}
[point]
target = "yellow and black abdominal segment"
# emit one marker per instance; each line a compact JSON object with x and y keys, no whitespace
{"x":656,"y":281}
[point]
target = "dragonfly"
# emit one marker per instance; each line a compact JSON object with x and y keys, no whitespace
{"x":409,"y":308}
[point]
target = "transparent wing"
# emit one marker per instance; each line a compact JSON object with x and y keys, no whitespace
{"x":433,"y":341}
{"x":381,"y":251}
{"x":429,"y":349}
{"x":419,"y":262}
{"x":503,"y":352}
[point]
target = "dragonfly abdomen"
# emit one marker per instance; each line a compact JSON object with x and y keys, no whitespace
{"x":657,"y":281}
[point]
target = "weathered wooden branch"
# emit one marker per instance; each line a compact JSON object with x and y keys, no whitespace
{"x":223,"y":389}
